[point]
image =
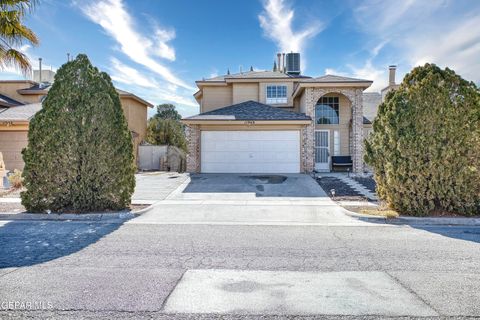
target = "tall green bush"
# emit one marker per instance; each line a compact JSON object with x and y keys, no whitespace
{"x":425,"y":148}
{"x":80,"y":155}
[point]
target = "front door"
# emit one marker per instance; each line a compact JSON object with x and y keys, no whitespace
{"x":322,"y":150}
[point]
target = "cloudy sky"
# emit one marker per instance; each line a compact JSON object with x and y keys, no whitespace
{"x":157,"y":49}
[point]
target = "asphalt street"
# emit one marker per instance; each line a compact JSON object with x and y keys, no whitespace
{"x":78,"y":269}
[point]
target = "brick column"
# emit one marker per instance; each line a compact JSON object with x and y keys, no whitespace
{"x":357,"y":132}
{"x":192,"y":134}
{"x":309,"y":133}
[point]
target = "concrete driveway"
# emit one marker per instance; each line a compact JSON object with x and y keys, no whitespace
{"x":154,"y":186}
{"x":249,"y":187}
{"x":293,"y":199}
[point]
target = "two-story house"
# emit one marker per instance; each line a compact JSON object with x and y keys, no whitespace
{"x":21,"y":99}
{"x":276,"y":121}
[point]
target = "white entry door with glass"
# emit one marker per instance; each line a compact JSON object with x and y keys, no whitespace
{"x":322,"y":150}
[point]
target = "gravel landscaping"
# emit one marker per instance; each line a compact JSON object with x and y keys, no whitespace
{"x":342,"y":190}
{"x":368,"y":183}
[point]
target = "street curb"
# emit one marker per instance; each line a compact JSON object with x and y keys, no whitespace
{"x":93,"y":217}
{"x":433,"y":221}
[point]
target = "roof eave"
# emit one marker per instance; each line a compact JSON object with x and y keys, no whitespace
{"x":245,"y":122}
{"x":28,"y":91}
{"x":136,"y":98}
{"x":342,"y":84}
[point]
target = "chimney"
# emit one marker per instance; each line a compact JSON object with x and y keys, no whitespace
{"x":279,"y":58}
{"x":391,"y":77}
{"x":40,"y":70}
{"x":283,"y":62}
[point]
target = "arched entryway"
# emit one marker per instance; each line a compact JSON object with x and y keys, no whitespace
{"x":332,"y":128}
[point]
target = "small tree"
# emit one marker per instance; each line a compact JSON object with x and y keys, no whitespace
{"x":425,"y":147}
{"x":80,"y":154}
{"x":165,"y":128}
{"x":167,"y":111}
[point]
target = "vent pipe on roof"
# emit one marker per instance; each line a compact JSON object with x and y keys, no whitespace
{"x":39,"y":70}
{"x":279,"y":58}
{"x":391,"y":77}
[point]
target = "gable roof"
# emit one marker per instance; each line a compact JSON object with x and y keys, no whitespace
{"x":250,"y":110}
{"x":329,"y":78}
{"x":126,"y":94}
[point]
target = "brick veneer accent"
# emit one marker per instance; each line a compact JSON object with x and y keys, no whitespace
{"x":192,"y":134}
{"x":355,"y":97}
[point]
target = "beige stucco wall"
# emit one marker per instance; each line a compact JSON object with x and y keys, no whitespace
{"x":215,"y":97}
{"x":136,"y":115}
{"x":244,"y":91}
{"x":10,"y":89}
{"x":11,"y":145}
{"x":345,"y":116}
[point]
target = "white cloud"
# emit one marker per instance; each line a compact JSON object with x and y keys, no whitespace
{"x":115,"y":19}
{"x":128,"y":75}
{"x":367,"y":71}
{"x":415,"y":32}
{"x":276,"y":21}
{"x":147,"y":87}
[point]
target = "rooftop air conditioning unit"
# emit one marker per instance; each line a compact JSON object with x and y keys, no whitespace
{"x":292,"y":63}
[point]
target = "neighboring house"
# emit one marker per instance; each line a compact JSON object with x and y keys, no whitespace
{"x":278,"y":121}
{"x":21,"y":99}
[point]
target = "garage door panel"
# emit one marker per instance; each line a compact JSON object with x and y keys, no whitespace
{"x":250,"y":151}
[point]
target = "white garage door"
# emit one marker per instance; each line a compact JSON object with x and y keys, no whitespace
{"x":250,"y":151}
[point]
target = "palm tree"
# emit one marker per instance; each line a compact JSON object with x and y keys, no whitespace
{"x":13,"y":33}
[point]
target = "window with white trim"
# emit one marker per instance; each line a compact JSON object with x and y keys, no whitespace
{"x":276,"y":94}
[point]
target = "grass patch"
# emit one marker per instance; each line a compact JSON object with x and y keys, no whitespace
{"x":387,"y":213}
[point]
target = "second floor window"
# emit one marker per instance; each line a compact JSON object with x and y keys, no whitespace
{"x":276,"y":94}
{"x":326,"y":111}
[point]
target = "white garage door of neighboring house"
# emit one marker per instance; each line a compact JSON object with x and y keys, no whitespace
{"x":11,"y":145}
{"x":250,"y":151}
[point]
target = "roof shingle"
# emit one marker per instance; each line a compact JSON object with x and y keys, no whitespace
{"x":20,"y":113}
{"x":250,"y":110}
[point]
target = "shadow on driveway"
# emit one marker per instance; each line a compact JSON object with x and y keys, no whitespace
{"x":466,"y":233}
{"x":460,"y":232}
{"x":24,"y":243}
{"x":260,"y":185}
